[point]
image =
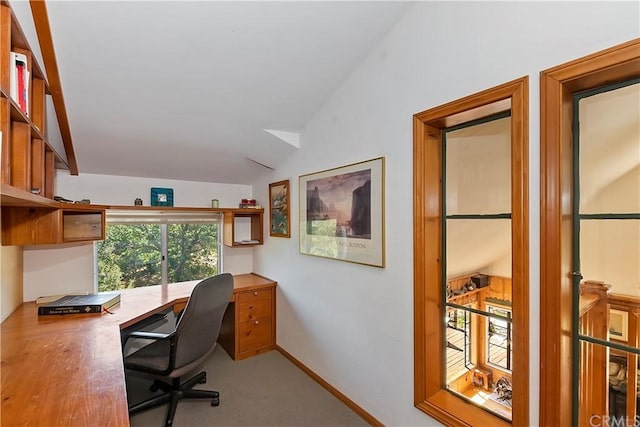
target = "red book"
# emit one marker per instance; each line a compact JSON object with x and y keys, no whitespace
{"x":21,"y":69}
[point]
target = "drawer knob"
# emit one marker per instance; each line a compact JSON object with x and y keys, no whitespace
{"x":256,"y":322}
{"x":255,"y":293}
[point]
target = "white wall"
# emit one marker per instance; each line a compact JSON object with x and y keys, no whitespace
{"x":11,"y":262}
{"x":353,"y":324}
{"x":70,"y":268}
{"x":123,"y":190}
{"x":610,"y":250}
{"x":57,"y":269}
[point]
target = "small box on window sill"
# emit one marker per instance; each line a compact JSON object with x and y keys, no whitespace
{"x":482,"y":378}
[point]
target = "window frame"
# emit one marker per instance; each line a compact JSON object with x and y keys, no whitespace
{"x":163,"y":218}
{"x":557,"y":86}
{"x":468,"y":325}
{"x":491,"y":308}
{"x":430,"y":393}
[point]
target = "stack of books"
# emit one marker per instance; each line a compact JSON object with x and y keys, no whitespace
{"x":248,"y":203}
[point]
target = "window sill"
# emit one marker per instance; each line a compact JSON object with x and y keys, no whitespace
{"x":454,"y":411}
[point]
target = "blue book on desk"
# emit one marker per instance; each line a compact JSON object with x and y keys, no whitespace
{"x":81,"y":304}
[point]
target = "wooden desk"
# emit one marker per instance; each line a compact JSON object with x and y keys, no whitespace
{"x":68,"y":370}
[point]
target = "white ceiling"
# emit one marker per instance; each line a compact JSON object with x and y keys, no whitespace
{"x":185,"y":90}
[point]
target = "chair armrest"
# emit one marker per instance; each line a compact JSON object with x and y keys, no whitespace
{"x":148,"y":335}
{"x":156,"y":336}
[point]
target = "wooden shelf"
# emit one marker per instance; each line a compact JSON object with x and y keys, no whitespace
{"x":24,"y":133}
{"x":165,"y":208}
{"x":49,"y":226}
{"x":235,"y":211}
{"x":12,"y":196}
{"x":28,"y":160}
{"x":467,"y":294}
{"x":232,"y":217}
{"x":29,"y":219}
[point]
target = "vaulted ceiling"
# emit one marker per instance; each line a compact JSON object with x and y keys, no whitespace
{"x":203,"y":91}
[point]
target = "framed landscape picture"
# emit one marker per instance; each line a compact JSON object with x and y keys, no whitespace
{"x":342,"y":213}
{"x":618,"y":321}
{"x":279,"y":223}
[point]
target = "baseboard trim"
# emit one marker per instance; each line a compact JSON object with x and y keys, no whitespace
{"x":331,"y":389}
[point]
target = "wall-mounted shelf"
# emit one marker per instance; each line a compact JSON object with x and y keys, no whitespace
{"x":243,"y":227}
{"x":12,"y":196}
{"x":29,"y":214}
{"x":30,"y":219}
{"x":166,"y":208}
{"x":28,"y":160}
{"x":456,"y":298}
{"x":63,"y":223}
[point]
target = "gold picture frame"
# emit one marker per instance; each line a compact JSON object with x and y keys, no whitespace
{"x":279,"y":212}
{"x":342,"y":213}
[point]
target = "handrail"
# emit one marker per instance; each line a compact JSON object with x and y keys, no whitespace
{"x":591,"y":293}
{"x":587,"y":302}
{"x":624,"y":300}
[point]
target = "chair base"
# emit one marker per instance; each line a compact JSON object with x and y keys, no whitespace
{"x":175,"y":392}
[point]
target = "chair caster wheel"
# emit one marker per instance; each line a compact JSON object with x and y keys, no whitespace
{"x":215,"y":402}
{"x":203,"y":379}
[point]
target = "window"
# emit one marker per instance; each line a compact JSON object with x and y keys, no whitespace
{"x":446,"y":209}
{"x":558,"y":405}
{"x":499,"y":331}
{"x":476,"y":160}
{"x":459,"y":343}
{"x":606,"y":244}
{"x":144,"y":248}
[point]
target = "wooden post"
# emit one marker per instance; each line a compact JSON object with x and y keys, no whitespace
{"x":594,"y":359}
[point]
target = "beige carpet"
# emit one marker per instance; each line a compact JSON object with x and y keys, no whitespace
{"x":264,"y":390}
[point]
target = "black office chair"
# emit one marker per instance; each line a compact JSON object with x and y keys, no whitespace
{"x":170,"y":358}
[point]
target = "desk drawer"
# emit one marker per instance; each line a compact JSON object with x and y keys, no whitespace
{"x":254,"y":334}
{"x":254,"y":296}
{"x":248,"y":311}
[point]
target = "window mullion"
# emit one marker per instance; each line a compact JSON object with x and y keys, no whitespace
{"x":164,"y":256}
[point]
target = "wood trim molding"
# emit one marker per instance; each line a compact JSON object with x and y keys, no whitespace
{"x":557,"y":86}
{"x":43,"y":29}
{"x":331,"y":389}
{"x":430,"y":394}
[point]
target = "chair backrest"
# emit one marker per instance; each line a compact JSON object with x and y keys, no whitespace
{"x":200,"y":323}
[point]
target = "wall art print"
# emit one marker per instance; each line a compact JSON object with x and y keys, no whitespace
{"x":279,"y":223}
{"x":342,"y":213}
{"x":618,"y":325}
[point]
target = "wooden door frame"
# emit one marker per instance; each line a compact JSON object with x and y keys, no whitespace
{"x":557,"y":86}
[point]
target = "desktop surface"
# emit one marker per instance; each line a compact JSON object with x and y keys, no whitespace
{"x":68,"y":369}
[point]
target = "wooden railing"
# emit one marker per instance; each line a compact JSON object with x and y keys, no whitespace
{"x":631,"y":306}
{"x":595,"y":321}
